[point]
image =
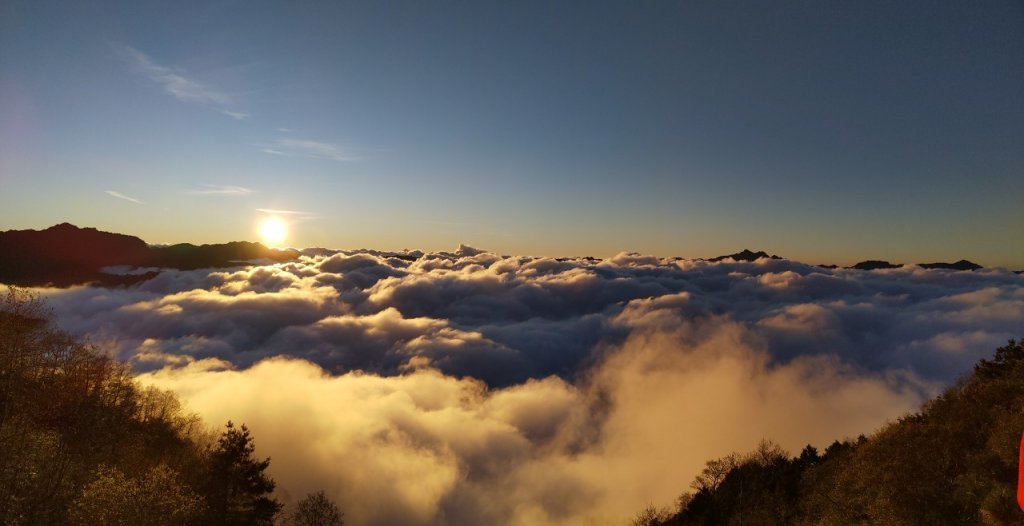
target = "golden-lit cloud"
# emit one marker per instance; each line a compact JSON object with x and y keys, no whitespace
{"x":468,"y":387}
{"x":425,"y":448}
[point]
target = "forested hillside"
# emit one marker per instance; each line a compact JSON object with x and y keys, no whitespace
{"x":953,"y":462}
{"x":82,"y":443}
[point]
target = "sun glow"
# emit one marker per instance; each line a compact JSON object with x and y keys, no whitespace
{"x":273,"y":231}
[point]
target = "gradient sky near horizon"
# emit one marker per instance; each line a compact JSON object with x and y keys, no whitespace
{"x":822,"y":131}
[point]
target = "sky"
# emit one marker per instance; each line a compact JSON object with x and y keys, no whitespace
{"x":829,"y":132}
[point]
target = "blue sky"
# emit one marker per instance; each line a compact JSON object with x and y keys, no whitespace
{"x":822,"y":131}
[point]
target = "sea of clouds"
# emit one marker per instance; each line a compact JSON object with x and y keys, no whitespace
{"x":474,"y":388}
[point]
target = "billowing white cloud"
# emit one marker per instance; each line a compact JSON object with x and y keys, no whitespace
{"x":425,"y":448}
{"x":467,"y":387}
{"x":544,"y":316}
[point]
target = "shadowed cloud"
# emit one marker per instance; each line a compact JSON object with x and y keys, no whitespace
{"x":467,"y":387}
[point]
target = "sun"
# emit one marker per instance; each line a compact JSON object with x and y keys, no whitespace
{"x":273,"y":231}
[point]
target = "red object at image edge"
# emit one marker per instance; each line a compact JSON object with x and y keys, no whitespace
{"x":1020,"y":475}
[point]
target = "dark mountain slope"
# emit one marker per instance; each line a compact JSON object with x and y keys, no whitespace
{"x":963,"y":264}
{"x":872,"y":264}
{"x":64,"y":255}
{"x":185,"y":256}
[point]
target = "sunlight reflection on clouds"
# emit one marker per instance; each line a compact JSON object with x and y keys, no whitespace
{"x":472,"y":388}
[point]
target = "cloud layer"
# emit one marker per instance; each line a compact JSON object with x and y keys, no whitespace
{"x":508,"y":319}
{"x":425,"y":448}
{"x":469,"y":387}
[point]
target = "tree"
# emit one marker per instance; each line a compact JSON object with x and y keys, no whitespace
{"x":953,"y":462}
{"x":237,"y":488}
{"x":714,"y":472}
{"x":58,"y":398}
{"x":82,"y":442}
{"x":316,"y":510}
{"x":158,"y":499}
{"x":651,"y":516}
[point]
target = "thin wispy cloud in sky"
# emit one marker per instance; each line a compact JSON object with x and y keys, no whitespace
{"x":291,"y":216}
{"x":173,"y":82}
{"x":308,"y":148}
{"x":119,"y":195}
{"x":216,"y":189}
{"x":235,"y":114}
{"x":282,"y":212}
{"x":176,"y":82}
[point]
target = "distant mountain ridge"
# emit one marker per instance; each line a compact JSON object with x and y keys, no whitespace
{"x":963,"y":264}
{"x":65,"y":254}
{"x":873,"y":264}
{"x":186,"y":256}
{"x":745,"y":255}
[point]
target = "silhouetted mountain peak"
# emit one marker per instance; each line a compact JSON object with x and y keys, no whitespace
{"x":746,"y":255}
{"x":874,"y":264}
{"x":963,"y":264}
{"x":186,"y":256}
{"x":66,"y":245}
{"x":65,"y":254}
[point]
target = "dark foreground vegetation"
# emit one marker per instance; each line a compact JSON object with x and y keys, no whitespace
{"x":953,"y":462}
{"x":82,"y":443}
